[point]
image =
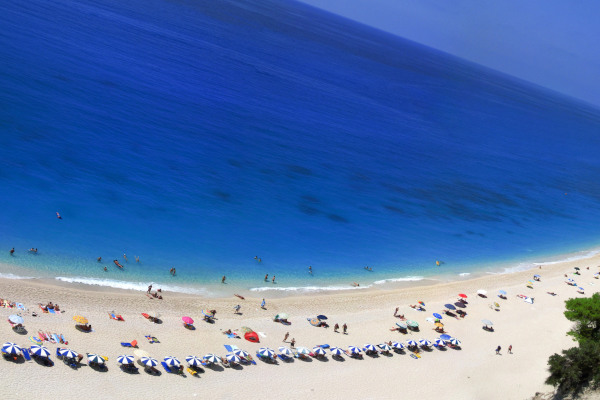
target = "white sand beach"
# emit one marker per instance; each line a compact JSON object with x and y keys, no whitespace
{"x":474,"y":372}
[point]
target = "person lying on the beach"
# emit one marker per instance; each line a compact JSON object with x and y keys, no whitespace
{"x":227,"y":332}
{"x":395,"y":329}
{"x":551,"y":293}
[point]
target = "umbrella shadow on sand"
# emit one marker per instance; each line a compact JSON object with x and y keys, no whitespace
{"x":215,"y":367}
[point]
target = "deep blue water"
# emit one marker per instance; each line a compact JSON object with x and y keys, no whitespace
{"x":199,"y":134}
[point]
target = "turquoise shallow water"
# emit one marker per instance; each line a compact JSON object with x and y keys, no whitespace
{"x":198,"y":135}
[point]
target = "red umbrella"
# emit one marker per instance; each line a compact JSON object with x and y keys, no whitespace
{"x":464,"y":296}
{"x":251,"y":337}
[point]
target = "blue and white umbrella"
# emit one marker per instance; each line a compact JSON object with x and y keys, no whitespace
{"x":397,"y":345}
{"x":411,"y":343}
{"x":194,"y":361}
{"x":68,"y":353}
{"x":319,"y":351}
{"x":370,"y":347}
{"x":11,"y":348}
{"x":440,"y":342}
{"x":125,"y":360}
{"x":40,"y":351}
{"x":445,"y":337}
{"x":336,"y":351}
{"x":16,"y":319}
{"x":438,"y":316}
{"x":385,"y":347}
{"x":149,"y":361}
{"x":455,"y":342}
{"x":95,"y":359}
{"x":502,"y":292}
{"x":240,"y":353}
{"x":172,"y":362}
{"x":425,"y":342}
{"x":286,"y":351}
{"x":266,"y":352}
{"x":570,"y":280}
{"x":580,"y":288}
{"x":232,"y":358}
{"x":354,"y":350}
{"x":303,"y":350}
{"x":211,"y":358}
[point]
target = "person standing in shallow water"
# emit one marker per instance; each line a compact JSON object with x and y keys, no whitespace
{"x":12,"y":251}
{"x":223,"y":279}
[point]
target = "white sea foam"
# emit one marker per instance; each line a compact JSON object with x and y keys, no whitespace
{"x":464,"y":274}
{"x":405,"y":279}
{"x":307,"y":288}
{"x":525,"y":266}
{"x":139,"y":286}
{"x":13,"y":276}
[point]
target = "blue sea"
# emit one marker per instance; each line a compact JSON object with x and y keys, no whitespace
{"x":200,"y":134}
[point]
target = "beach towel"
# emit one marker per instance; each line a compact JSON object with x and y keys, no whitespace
{"x":35,"y":340}
{"x":56,"y":338}
{"x":228,"y":348}
{"x":115,"y":317}
{"x":51,"y":311}
{"x":43,"y":309}
{"x":62,"y":339}
{"x":166,"y":367}
{"x":26,"y":354}
{"x":21,"y":306}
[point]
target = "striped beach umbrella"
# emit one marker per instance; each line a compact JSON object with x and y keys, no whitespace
{"x":266,"y":352}
{"x":172,"y":361}
{"x":303,"y":350}
{"x":125,"y":360}
{"x":425,"y":342}
{"x":385,"y":347}
{"x":354,"y":350}
{"x":445,"y":337}
{"x":397,"y":345}
{"x":232,"y":358}
{"x":440,"y":342}
{"x":68,"y":353}
{"x":286,"y":352}
{"x":149,"y":361}
{"x":370,"y":347}
{"x":455,"y":342}
{"x":240,"y":353}
{"x":11,"y":348}
{"x":211,"y":358}
{"x":40,"y":351}
{"x":411,"y":343}
{"x":95,"y":359}
{"x":319,"y":351}
{"x":194,"y":361}
{"x":336,"y":351}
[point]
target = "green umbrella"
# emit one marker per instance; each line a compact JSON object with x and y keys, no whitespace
{"x":281,"y":316}
{"x":412,"y":323}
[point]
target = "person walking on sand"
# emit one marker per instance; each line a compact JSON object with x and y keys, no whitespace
{"x":287,"y":334}
{"x":336,"y":327}
{"x":237,"y":309}
{"x":498,"y":349}
{"x":345,"y":328}
{"x":149,"y":288}
{"x":510,"y":349}
{"x":396,"y":311}
{"x":263,"y":304}
{"x":293,"y":342}
{"x":223,"y":279}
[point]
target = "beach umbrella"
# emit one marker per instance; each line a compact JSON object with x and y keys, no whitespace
{"x":449,"y":306}
{"x":385,"y":347}
{"x":411,"y":343}
{"x":482,"y":292}
{"x":194,"y":361}
{"x":422,"y":303}
{"x":95,"y":358}
{"x":425,"y":342}
{"x":440,"y":342}
{"x":211,"y":358}
{"x":266,"y":352}
{"x":412,"y":324}
{"x":282,"y":316}
{"x":528,"y":300}
{"x":502,"y":292}
{"x":141,"y":353}
{"x":402,"y":325}
{"x":459,"y":304}
{"x":336,"y":351}
{"x":245,"y":329}
{"x":125,"y":359}
{"x":577,"y":268}
{"x":431,"y":320}
{"x":232,"y":358}
{"x":68,"y":353}
{"x":397,"y":345}
{"x":286,"y":351}
{"x":455,"y":342}
{"x":40,"y":351}
{"x":240,"y":353}
{"x":354,"y":349}
{"x":370,"y":347}
{"x":16,"y":319}
{"x":445,"y":337}
{"x":321,"y":317}
{"x":303,"y":350}
{"x":187,"y":320}
{"x":319,"y":351}
{"x":537,"y":276}
{"x":438,"y":316}
{"x":80,"y":320}
{"x":462,"y":295}
{"x":149,"y":361}
{"x":251,"y":337}
{"x":570,"y":280}
{"x":11,"y":348}
{"x":207,"y":313}
{"x":314,"y":321}
{"x":487,"y":322}
{"x":154,"y":314}
{"x":439,"y":325}
{"x":497,"y":305}
{"x":580,"y":288}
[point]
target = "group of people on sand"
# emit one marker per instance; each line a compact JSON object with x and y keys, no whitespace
{"x":155,"y":295}
{"x":50,"y":306}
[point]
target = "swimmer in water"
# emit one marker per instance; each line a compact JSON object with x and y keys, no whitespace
{"x":12,"y":251}
{"x":266,"y":277}
{"x":118,"y":264}
{"x":273,"y":279}
{"x":310,"y":269}
{"x":125,"y":257}
{"x":137,"y":259}
{"x":223,"y":279}
{"x":99,"y":259}
{"x":260,"y":260}
{"x":58,"y":215}
{"x":105,"y":269}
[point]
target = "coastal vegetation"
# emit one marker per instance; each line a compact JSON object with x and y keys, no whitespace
{"x":578,"y":368}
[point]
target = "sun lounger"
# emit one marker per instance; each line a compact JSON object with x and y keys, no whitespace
{"x":192,"y":371}
{"x":152,"y":339}
{"x":166,"y":367}
{"x":26,"y":354}
{"x":132,"y":344}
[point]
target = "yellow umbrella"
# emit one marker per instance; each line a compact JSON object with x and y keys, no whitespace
{"x":80,"y":320}
{"x":439,"y":324}
{"x":497,"y":305}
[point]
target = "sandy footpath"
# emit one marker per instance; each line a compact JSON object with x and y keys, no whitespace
{"x":534,"y":330}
